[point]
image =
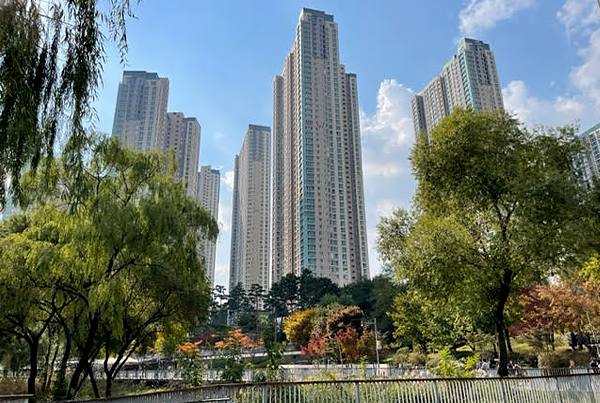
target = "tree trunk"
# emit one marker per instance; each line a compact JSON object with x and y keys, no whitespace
{"x":34,"y":344}
{"x":503,"y":294}
{"x":510,"y":350}
{"x":75,"y":383}
{"x":93,"y":380}
{"x":502,"y":350}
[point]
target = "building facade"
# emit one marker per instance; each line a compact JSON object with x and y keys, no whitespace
{"x":468,"y":80}
{"x":207,"y":194}
{"x":249,"y":259}
{"x":318,"y":198}
{"x":182,"y":135}
{"x":141,"y":111}
{"x":588,"y":161}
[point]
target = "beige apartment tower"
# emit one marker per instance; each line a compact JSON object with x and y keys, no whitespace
{"x":318,"y":198}
{"x":183,"y":137}
{"x":141,"y":111}
{"x":468,"y":80}
{"x":207,"y":194}
{"x":249,"y":258}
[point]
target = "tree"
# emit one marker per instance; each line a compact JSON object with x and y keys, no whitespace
{"x":232,"y":349}
{"x":311,"y":289}
{"x":50,"y":69}
{"x":496,"y":208}
{"x":237,"y":304}
{"x":298,"y":327}
{"x":112,"y":261}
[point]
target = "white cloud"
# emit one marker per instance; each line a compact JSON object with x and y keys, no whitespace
{"x":387,"y":136}
{"x":582,"y":103}
{"x":392,"y":120}
{"x":480,"y":15}
{"x":385,"y":169}
{"x":536,"y":111}
{"x":224,"y":218}
{"x":586,"y":77}
{"x":385,"y":207}
{"x":578,"y":16}
{"x":228,"y":178}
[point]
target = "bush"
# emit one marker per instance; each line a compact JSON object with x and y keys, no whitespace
{"x":417,"y":358}
{"x":553,"y":359}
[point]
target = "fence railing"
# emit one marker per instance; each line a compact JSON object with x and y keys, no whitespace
{"x":297,"y":372}
{"x":554,"y":389}
{"x":15,"y":398}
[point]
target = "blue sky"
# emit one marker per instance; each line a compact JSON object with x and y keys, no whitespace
{"x":221,"y":56}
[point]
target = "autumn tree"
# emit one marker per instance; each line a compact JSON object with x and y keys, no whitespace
{"x":497,"y":207}
{"x":299,"y":326}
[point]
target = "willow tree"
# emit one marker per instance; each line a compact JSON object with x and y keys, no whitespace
{"x":51,"y":58}
{"x":497,"y":208}
{"x":111,"y":260}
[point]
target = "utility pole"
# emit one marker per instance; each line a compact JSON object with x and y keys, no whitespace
{"x":377,"y":345}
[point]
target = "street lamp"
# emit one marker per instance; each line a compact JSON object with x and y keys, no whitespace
{"x":377,"y":341}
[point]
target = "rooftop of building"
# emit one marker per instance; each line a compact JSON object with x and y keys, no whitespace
{"x":316,"y":13}
{"x":464,"y":41}
{"x":259,"y":127}
{"x":141,"y":73}
{"x":592,"y":129}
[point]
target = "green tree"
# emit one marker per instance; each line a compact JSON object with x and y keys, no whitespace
{"x":497,"y":208}
{"x":51,"y":62}
{"x":112,"y":260}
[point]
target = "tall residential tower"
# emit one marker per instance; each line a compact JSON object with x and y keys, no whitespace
{"x":249,"y":259}
{"x":469,"y":79}
{"x":588,"y":160}
{"x":318,"y":198}
{"x":183,"y":137}
{"x":207,"y":194}
{"x":141,"y":111}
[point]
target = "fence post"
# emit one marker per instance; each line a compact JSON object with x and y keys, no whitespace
{"x":558,"y":390}
{"x":435,"y":392}
{"x":592,"y":394}
{"x":356,"y":388}
{"x":503,"y":391}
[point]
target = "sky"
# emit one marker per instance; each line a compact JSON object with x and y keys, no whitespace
{"x":221,"y":57}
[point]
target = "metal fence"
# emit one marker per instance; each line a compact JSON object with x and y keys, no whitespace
{"x":555,"y":389}
{"x":15,"y":398}
{"x":297,"y":372}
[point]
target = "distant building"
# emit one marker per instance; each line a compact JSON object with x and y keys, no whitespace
{"x":468,"y":80}
{"x":182,"y":135}
{"x":142,"y":123}
{"x":250,"y":215}
{"x":207,"y":194}
{"x":318,"y":197}
{"x":588,"y":161}
{"x":141,"y":111}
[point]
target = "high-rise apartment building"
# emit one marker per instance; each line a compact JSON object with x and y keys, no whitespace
{"x":207,"y":194}
{"x":468,"y":79}
{"x":250,"y":215}
{"x":318,"y":198}
{"x":182,"y":135}
{"x":588,"y":161}
{"x":141,"y":110}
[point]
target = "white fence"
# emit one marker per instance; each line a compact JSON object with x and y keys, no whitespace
{"x":556,"y":389}
{"x":297,"y":372}
{"x":15,"y":398}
